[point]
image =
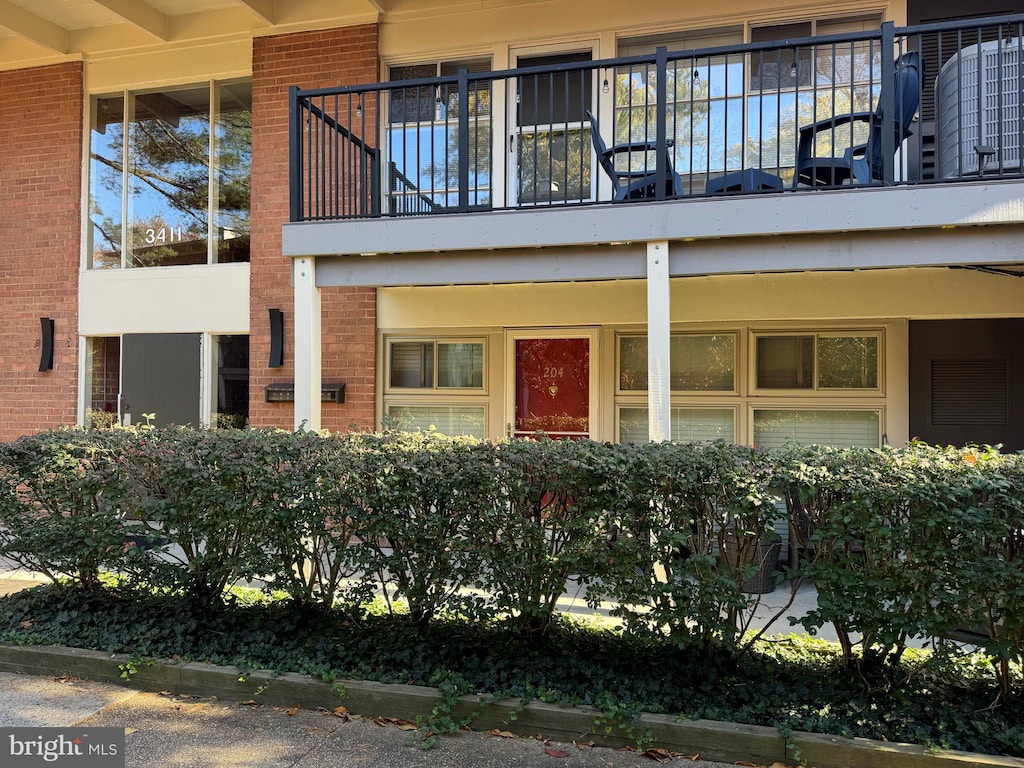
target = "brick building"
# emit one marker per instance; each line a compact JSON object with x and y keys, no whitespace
{"x":220,"y":211}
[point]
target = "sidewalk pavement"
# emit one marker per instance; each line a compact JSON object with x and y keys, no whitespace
{"x":179,"y":731}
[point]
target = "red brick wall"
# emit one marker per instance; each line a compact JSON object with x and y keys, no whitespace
{"x":40,"y":223}
{"x":308,"y":60}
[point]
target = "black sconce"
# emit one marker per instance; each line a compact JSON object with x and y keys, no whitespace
{"x":276,"y":338}
{"x":46,"y":346}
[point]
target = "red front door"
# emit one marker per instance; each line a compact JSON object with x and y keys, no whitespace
{"x":552,"y":387}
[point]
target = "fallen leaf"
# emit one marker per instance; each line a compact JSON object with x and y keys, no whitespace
{"x":501,"y":734}
{"x":164,"y":693}
{"x":556,"y":752}
{"x":583,"y":744}
{"x":130,"y":730}
{"x":26,"y":624}
{"x":695,"y":758}
{"x":407,"y":727}
{"x":249,"y":703}
{"x":778,"y":764}
{"x":292,"y":710}
{"x":748,"y":764}
{"x":658,"y":754}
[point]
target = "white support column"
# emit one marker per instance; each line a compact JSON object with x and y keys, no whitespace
{"x":308,"y":344}
{"x":659,"y":384}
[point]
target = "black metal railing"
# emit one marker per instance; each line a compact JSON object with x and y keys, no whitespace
{"x":893,"y":106}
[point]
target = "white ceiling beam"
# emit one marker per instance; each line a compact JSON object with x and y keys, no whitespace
{"x":139,"y":14}
{"x":264,"y":9}
{"x":33,"y":28}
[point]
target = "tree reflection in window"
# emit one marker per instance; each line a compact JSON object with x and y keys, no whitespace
{"x":181,"y":143}
{"x":698,"y":363}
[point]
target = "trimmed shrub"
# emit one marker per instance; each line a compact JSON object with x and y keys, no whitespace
{"x":61,"y":497}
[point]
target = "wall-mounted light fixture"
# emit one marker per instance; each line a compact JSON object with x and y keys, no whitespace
{"x":46,"y":344}
{"x":276,"y":338}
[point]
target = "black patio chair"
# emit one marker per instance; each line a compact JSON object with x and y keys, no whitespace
{"x":860,"y":163}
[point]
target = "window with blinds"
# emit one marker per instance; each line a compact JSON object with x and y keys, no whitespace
{"x":453,"y":420}
{"x":689,"y":425}
{"x":774,"y":427}
{"x":436,"y":384}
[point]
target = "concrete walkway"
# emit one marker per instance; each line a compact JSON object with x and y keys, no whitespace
{"x":175,"y":731}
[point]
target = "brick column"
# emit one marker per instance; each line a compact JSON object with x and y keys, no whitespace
{"x":40,"y":221}
{"x":319,"y":59}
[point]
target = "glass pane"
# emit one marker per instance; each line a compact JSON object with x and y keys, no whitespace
{"x":848,"y":362}
{"x":785,"y":362}
{"x":554,"y":165}
{"x":412,"y":364}
{"x":460,"y":365}
{"x":772,"y":428}
{"x":424,"y":166}
{"x":412,"y":103}
{"x":103,"y":380}
{"x":169,"y":179}
{"x":698,"y":363}
{"x":233,"y":161}
{"x":449,"y":420}
{"x":554,"y":98}
{"x":689,"y":425}
{"x":703,"y":363}
{"x":771,"y":131}
{"x":106,"y":182}
{"x":708,"y":135}
{"x":232,"y":395}
{"x":633,"y":363}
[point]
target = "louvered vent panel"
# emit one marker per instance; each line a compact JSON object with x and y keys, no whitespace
{"x":969,"y":392}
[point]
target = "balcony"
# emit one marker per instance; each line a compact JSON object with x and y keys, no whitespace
{"x":790,"y":118}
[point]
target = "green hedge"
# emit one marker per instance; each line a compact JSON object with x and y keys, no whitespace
{"x":900,"y":543}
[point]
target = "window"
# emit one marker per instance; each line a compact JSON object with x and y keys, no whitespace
{"x":689,"y":425}
{"x":102,"y":381}
{"x":446,"y":419}
{"x":436,"y":384}
{"x":169,"y":176}
{"x":553,"y":142}
{"x":705,"y":102}
{"x":161,"y":374}
{"x":802,"y":85}
{"x":698,"y":363}
{"x":811,"y":386}
{"x":230,"y":402}
{"x":817,"y":362}
{"x":859,"y":428}
{"x":423,"y":133}
{"x":436,"y":365}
